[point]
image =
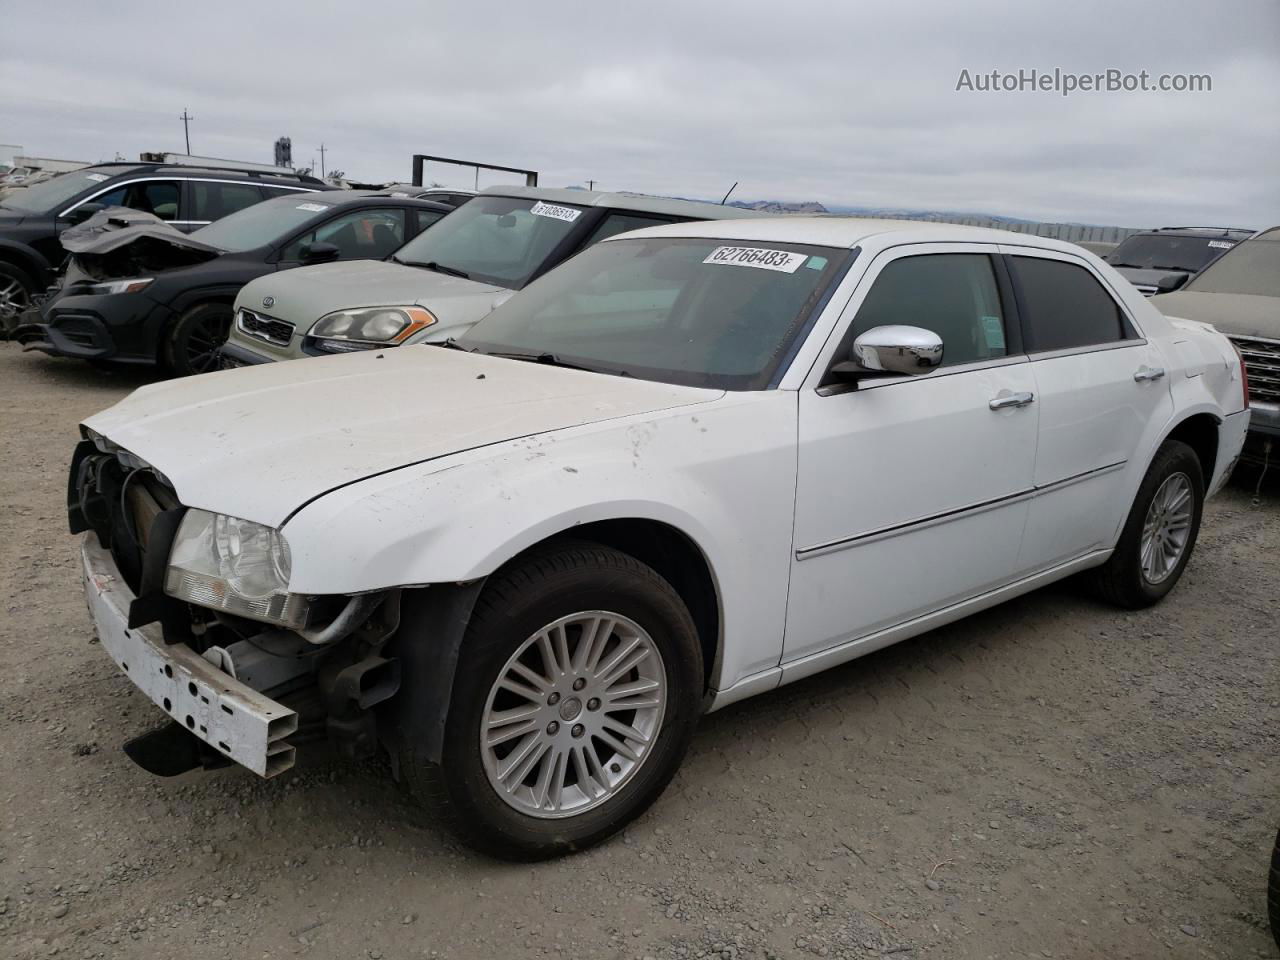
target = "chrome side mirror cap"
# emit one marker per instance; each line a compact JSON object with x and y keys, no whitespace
{"x":892,"y":350}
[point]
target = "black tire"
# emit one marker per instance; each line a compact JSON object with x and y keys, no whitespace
{"x":192,"y":341}
{"x":516,"y":603}
{"x":17,"y":287}
{"x":1273,"y":892}
{"x":1121,"y":580}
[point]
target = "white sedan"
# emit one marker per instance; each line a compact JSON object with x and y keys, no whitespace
{"x":691,"y":464}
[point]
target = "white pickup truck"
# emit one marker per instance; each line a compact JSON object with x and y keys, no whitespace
{"x":693,"y":463}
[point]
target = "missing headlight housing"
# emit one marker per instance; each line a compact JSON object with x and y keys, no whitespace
{"x":236,"y":566}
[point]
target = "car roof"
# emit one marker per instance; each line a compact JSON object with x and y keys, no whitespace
{"x":850,"y":232}
{"x":638,"y":202}
{"x":218,"y":173}
{"x":373,"y":198}
{"x":1208,"y":233}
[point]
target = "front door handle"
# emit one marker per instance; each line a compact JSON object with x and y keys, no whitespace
{"x":1005,"y":399}
{"x":1148,"y":373}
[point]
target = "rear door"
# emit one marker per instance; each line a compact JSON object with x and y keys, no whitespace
{"x":1099,"y":385}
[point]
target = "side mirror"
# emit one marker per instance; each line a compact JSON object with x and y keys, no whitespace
{"x":83,"y":212}
{"x":1171,"y":282}
{"x":319,"y":252}
{"x":892,"y":350}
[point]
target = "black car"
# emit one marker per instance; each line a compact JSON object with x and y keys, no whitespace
{"x":138,"y":291}
{"x":1162,"y":260}
{"x":31,"y":218}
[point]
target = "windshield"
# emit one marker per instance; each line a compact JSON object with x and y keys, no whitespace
{"x":49,"y":196}
{"x":1165,"y":251}
{"x":262,"y":224}
{"x":498,"y":240}
{"x":1253,"y":268}
{"x":707,"y":313}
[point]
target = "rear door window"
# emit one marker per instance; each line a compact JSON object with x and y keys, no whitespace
{"x":213,"y":201}
{"x":1064,"y":306}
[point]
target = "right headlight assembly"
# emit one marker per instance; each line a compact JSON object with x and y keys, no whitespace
{"x":368,"y":328}
{"x":234,"y":565}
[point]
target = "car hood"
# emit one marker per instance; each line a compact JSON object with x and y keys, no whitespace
{"x":118,"y":242}
{"x":259,"y":442}
{"x":1235,"y":314}
{"x":304,"y":295}
{"x":1147,"y":277}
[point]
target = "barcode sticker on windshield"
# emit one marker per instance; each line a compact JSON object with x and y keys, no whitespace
{"x":1221,"y":244}
{"x":96,"y":177}
{"x":567,"y":214}
{"x":759,"y":257}
{"x":313,"y":207}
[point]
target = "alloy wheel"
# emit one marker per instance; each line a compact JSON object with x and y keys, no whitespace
{"x":203,"y":343}
{"x":1167,"y":528}
{"x":13,"y":295}
{"x":573,"y":714}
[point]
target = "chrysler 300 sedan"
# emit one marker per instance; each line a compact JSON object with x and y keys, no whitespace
{"x":693,"y":463}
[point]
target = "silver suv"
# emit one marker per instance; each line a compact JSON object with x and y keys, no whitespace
{"x":445,"y":279}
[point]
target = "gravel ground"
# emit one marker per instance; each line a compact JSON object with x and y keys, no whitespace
{"x":1052,"y":778}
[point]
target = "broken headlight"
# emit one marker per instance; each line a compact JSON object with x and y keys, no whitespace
{"x":234,"y":565}
{"x":368,"y":327}
{"x":122,"y":286}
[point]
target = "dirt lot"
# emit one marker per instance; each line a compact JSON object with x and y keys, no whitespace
{"x":1049,"y":779}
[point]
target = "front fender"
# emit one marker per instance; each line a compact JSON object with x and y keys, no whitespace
{"x":723,"y":475}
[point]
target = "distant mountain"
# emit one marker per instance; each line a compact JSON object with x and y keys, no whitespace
{"x":776,"y":206}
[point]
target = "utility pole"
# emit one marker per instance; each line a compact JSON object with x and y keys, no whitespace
{"x":186,"y":132}
{"x":591,"y":184}
{"x":322,"y":148}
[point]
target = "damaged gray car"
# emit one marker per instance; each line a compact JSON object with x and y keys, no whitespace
{"x":138,"y":291}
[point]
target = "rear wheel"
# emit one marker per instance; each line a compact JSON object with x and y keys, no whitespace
{"x":578,"y":688}
{"x":194,"y":339}
{"x":1160,"y":532}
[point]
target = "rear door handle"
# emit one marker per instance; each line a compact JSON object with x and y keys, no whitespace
{"x":1148,"y":373}
{"x":1005,"y":399}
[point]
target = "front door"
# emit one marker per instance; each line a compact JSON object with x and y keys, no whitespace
{"x":912,"y":491}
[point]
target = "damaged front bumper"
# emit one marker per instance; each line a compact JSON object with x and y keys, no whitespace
{"x":231,"y":717}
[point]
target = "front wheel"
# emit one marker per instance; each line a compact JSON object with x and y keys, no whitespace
{"x":1160,"y":532}
{"x":578,"y":688}
{"x":194,"y":339}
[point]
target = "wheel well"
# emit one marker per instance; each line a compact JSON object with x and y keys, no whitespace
{"x":1200,"y":433}
{"x":677,"y":559}
{"x":27,"y":264}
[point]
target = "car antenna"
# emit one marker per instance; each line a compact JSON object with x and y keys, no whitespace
{"x":731,"y":189}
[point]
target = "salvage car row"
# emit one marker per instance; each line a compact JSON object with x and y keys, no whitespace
{"x":573,"y":469}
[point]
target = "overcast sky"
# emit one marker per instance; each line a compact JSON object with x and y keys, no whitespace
{"x":838,"y":102}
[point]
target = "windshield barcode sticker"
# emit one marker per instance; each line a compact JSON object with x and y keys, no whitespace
{"x":567,"y":214}
{"x":1221,"y":244}
{"x":758,"y":257}
{"x":313,"y":207}
{"x":96,"y":177}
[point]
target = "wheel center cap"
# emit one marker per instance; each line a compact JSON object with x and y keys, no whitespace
{"x":569,"y":709}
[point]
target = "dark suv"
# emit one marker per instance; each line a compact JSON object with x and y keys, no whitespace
{"x":31,"y":218}
{"x":1162,"y":260}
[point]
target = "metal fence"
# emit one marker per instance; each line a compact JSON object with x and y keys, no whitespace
{"x":1072,"y":232}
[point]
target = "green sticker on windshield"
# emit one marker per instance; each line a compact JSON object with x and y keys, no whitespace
{"x":816,"y":263}
{"x":993,"y":329}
